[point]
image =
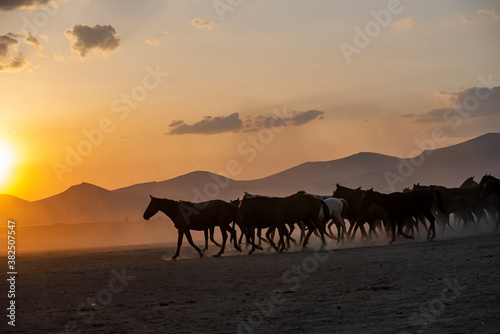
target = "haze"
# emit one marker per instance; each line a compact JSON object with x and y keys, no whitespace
{"x":154,"y":89}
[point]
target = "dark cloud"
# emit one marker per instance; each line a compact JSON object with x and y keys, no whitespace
{"x":99,"y":37}
{"x":208,"y":125}
{"x":478,"y":102}
{"x":303,"y":117}
{"x":16,"y":62}
{"x":24,"y":4}
{"x":6,"y":42}
{"x":30,"y":39}
{"x":233,"y":123}
{"x":10,"y":58}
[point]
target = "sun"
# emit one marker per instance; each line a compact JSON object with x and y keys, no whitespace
{"x":6,"y":162}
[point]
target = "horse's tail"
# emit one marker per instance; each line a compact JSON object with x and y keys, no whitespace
{"x":326,"y":212}
{"x":439,"y":198}
{"x":345,"y":208}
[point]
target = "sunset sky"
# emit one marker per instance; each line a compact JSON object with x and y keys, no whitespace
{"x":116,"y":93}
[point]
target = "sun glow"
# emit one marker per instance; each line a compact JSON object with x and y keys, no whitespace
{"x":6,"y":162}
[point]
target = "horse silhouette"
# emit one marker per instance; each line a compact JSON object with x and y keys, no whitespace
{"x":400,"y":205}
{"x":188,"y":216}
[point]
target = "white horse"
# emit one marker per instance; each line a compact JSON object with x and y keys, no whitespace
{"x":338,"y":208}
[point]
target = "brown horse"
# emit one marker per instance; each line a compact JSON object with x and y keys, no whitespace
{"x":400,"y":205}
{"x":188,"y":216}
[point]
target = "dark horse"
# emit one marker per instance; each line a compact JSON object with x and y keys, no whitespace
{"x":193,"y":216}
{"x":276,"y":212}
{"x":488,"y":186}
{"x":400,"y":205}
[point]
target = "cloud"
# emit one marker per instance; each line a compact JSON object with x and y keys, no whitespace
{"x":208,"y":125}
{"x":58,"y":56}
{"x":411,"y":115}
{"x":405,"y":23}
{"x":303,"y":117}
{"x":152,"y":41}
{"x":492,"y":13}
{"x":481,"y":14}
{"x":233,"y":123}
{"x":30,"y":39}
{"x":466,"y":20}
{"x":25,"y":4}
{"x":202,"y":24}
{"x":6,"y":42}
{"x":475,"y":102}
{"x":100,"y":37}
{"x":10,"y":58}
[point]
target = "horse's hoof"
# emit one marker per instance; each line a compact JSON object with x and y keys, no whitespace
{"x":204,"y":250}
{"x":174,"y":258}
{"x":239,"y":250}
{"x":217,"y":255}
{"x":201,"y":255}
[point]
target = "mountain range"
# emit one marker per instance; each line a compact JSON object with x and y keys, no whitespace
{"x":87,"y":203}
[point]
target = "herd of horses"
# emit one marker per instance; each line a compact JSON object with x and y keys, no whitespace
{"x":466,"y":207}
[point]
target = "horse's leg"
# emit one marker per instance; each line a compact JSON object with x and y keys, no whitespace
{"x":212,"y":229}
{"x":205,"y":232}
{"x":268,"y":236}
{"x":393,"y":229}
{"x":224,"y":238}
{"x":432,"y":226}
{"x":308,"y":235}
{"x":400,"y":221}
{"x":190,"y":240}
{"x":292,"y":228}
{"x":251,"y":239}
{"x":351,"y":226}
{"x":179,"y":243}
{"x":282,"y":231}
{"x":234,"y":239}
{"x":353,"y":235}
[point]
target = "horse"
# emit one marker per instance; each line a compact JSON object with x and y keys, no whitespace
{"x":353,"y":199}
{"x":461,"y":206}
{"x":271,"y":233}
{"x":399,"y":205}
{"x":188,"y":216}
{"x":338,"y":208}
{"x":469,"y":183}
{"x":275,"y":212}
{"x":492,"y":187}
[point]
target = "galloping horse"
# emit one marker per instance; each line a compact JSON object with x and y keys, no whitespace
{"x":488,"y":186}
{"x":275,"y":212}
{"x":188,"y":216}
{"x":400,"y":205}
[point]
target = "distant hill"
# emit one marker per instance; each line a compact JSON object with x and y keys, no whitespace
{"x":87,"y":203}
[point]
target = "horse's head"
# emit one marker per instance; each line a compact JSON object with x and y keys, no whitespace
{"x":153,"y":208}
{"x":236,"y":202}
{"x":338,"y":192}
{"x":366,"y":200}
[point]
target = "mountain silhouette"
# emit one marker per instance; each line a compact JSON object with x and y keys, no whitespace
{"x":87,"y":203}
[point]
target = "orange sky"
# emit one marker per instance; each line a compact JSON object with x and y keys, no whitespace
{"x":114,"y":80}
